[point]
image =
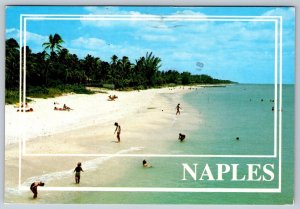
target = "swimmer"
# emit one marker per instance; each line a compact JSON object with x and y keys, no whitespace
{"x":181,"y":137}
{"x":146,"y":165}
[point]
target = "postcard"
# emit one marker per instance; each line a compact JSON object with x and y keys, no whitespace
{"x":149,"y":105}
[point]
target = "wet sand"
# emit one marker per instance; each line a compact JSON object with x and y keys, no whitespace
{"x":56,"y":140}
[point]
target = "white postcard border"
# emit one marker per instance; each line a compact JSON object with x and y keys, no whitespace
{"x":22,"y":139}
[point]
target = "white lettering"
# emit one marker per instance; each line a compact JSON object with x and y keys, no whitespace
{"x":269,"y":172}
{"x":252,"y":172}
{"x":207,"y":173}
{"x":235,"y":173}
{"x":187,"y":168}
{"x":222,"y":171}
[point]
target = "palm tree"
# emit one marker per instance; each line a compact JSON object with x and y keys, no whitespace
{"x":113,"y":69}
{"x":150,"y":65}
{"x":125,"y":71}
{"x":42,"y":63}
{"x":138,"y":73}
{"x":12,"y":63}
{"x":54,"y":43}
{"x":92,"y":65}
{"x":152,"y":62}
{"x":114,"y":59}
{"x":125,"y":66}
{"x":64,"y":61}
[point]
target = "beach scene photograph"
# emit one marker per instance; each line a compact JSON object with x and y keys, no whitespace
{"x":149,"y":105}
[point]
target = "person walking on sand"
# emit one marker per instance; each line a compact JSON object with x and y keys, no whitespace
{"x":118,"y":130}
{"x":77,"y":171}
{"x":34,"y":186}
{"x":178,"y":109}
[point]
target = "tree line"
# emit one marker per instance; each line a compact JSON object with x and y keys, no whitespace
{"x":55,"y":66}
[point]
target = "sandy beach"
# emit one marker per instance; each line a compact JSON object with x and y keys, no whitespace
{"x":147,"y":119}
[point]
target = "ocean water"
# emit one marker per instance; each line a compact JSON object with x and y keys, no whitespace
{"x":243,"y":111}
{"x":225,"y":113}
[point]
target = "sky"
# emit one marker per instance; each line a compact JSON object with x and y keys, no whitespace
{"x":241,"y":51}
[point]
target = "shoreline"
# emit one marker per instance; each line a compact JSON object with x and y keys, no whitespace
{"x":144,"y":132}
{"x":44,"y":121}
{"x":145,"y":122}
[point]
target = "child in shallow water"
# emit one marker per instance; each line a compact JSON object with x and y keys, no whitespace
{"x":77,"y":171}
{"x":34,"y":186}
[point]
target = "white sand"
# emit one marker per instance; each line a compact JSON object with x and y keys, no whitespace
{"x":87,"y":110}
{"x":147,"y":119}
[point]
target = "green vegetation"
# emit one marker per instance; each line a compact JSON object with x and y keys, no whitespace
{"x":55,"y":71}
{"x":43,"y":92}
{"x":11,"y":96}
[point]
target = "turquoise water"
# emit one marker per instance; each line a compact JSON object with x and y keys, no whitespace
{"x":226,"y":113}
{"x":243,"y":111}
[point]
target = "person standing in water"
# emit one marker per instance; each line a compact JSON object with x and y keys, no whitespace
{"x":34,"y":186}
{"x":178,"y":109}
{"x":118,"y":130}
{"x":77,"y":171}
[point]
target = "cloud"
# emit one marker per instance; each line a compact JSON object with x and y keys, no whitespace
{"x":109,"y":11}
{"x":288,"y":33}
{"x":206,"y":35}
{"x":11,"y":30}
{"x":135,"y":21}
{"x":100,"y":48}
{"x":189,"y":13}
{"x":133,"y":15}
{"x":117,"y":11}
{"x":101,"y":10}
{"x":12,"y":33}
{"x":182,"y":55}
{"x":88,"y":43}
{"x":219,"y":45}
{"x":31,"y":38}
{"x":150,"y":37}
{"x":36,"y":38}
{"x":287,"y":13}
